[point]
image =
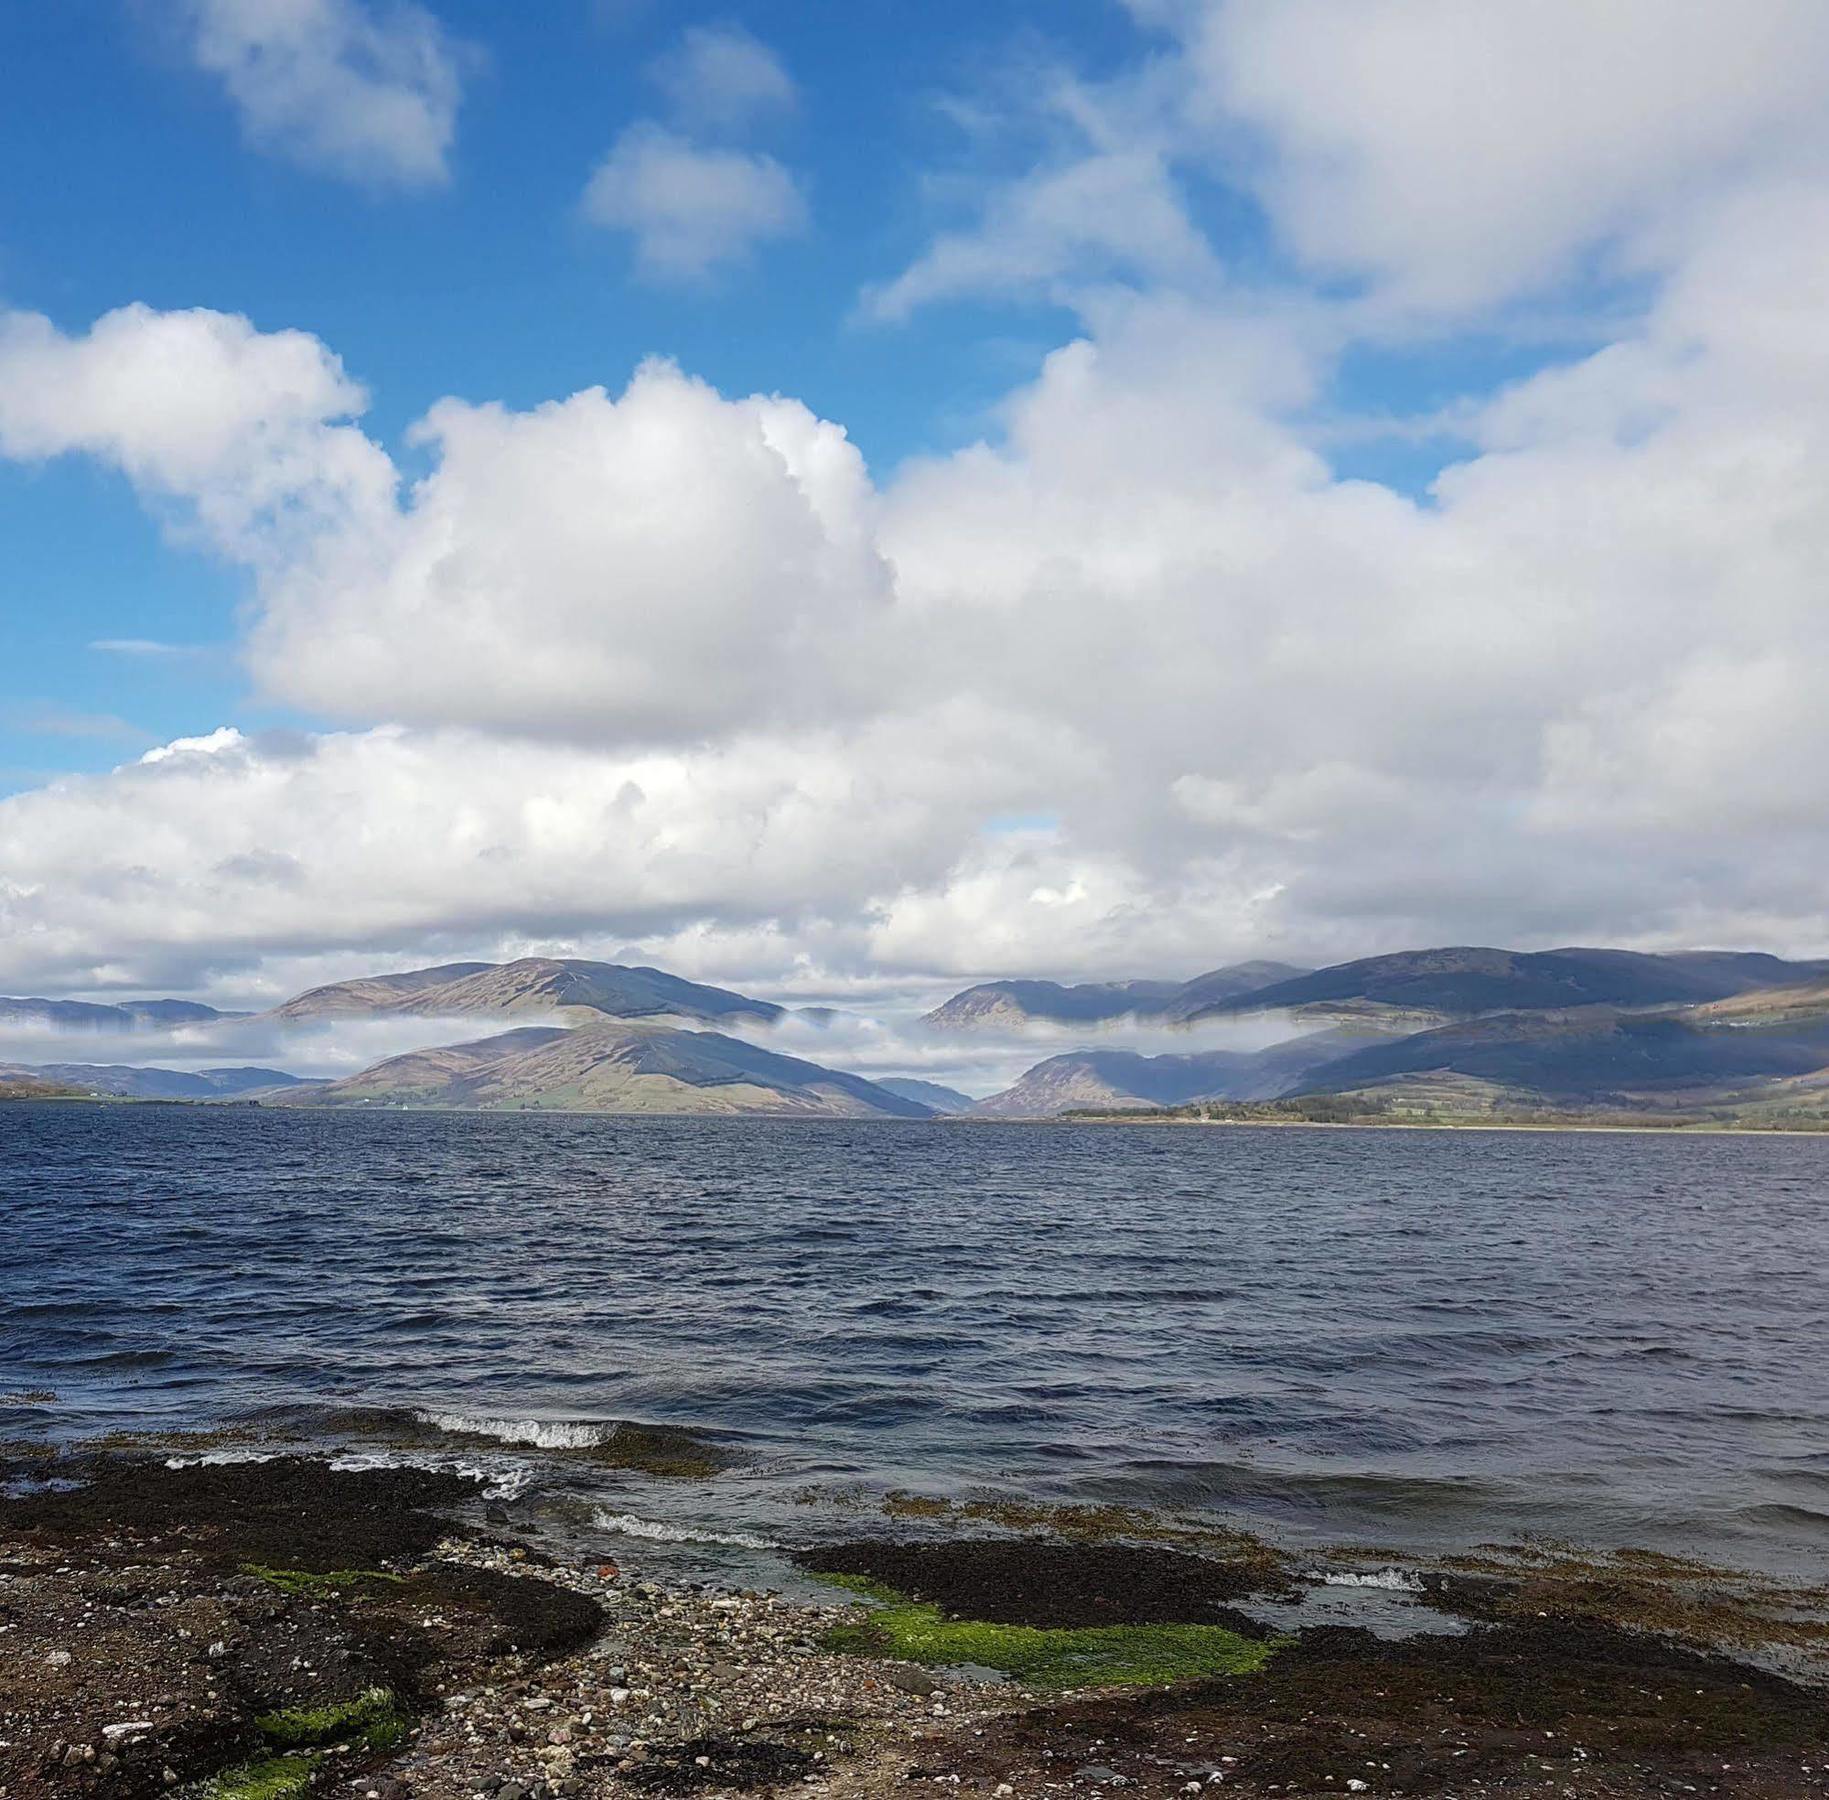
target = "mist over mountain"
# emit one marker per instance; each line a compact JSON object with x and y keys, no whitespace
{"x":1600,"y":1054}
{"x":1528,"y":1030}
{"x":1465,"y":981}
{"x":1563,"y":1029}
{"x":1005,"y":1005}
{"x":125,"y":1082}
{"x":122,"y":1015}
{"x":1122,"y":1080}
{"x":932,"y":1094}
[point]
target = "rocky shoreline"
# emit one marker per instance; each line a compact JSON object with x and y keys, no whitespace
{"x":266,"y":1630}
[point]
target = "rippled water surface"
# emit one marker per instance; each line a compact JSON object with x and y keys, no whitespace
{"x":1398,"y":1337}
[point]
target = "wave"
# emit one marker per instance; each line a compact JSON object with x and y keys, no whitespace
{"x":1393,"y":1581}
{"x":659,"y":1532}
{"x":533,"y":1434}
{"x":499,"y":1482}
{"x":1372,"y":1492}
{"x":1785,"y":1515}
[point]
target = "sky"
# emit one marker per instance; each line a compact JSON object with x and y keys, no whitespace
{"x":850,"y":500}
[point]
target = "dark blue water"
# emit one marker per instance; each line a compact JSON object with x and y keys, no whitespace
{"x":1402,"y":1337}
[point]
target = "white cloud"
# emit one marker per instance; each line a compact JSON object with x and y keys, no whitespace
{"x":1450,"y":156}
{"x":1096,"y":197}
{"x":657,"y":566}
{"x":364,"y":89}
{"x":1459,"y":154}
{"x":691,"y":209}
{"x":386,"y":836}
{"x":223,"y":739}
{"x":722,"y":77}
{"x":198,"y":405}
{"x":1103,"y":214}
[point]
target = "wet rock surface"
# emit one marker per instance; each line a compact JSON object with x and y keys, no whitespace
{"x":1053,"y":1585}
{"x":261,"y":1631}
{"x":291,"y":1511}
{"x":1551,"y":1708}
{"x":160,"y":1626}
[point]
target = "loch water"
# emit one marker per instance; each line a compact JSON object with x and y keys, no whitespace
{"x":1420,"y":1339}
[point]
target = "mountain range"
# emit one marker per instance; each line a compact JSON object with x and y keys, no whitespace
{"x":1015,"y":1005}
{"x":1721,"y":1035}
{"x":1435,"y":986}
{"x":1684,"y":1055}
{"x":1757,"y":1058}
{"x":1124,"y":1080}
{"x":124,"y":1082}
{"x":1410,"y":988}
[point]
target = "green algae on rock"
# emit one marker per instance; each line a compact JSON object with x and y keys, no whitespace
{"x":1104,"y":1521}
{"x":1071,"y":1657}
{"x":265,"y":1778}
{"x":665,"y":1450}
{"x":373,"y":1716}
{"x":305,"y":1583}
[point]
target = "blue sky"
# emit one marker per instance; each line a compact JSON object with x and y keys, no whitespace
{"x":130,"y":179}
{"x":1136,"y":483}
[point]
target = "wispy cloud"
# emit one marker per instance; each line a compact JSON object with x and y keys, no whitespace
{"x":45,"y":720}
{"x":153,"y":648}
{"x":722,"y":76}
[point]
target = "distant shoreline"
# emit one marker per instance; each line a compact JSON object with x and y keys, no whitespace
{"x":1685,"y":1127}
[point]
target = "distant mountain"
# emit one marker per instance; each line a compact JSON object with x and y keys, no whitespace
{"x":1114,"y":1079}
{"x":1428,"y":987}
{"x":532,"y":985}
{"x":124,"y":1015}
{"x":928,"y":1093}
{"x":1122,"y":1080}
{"x":1229,"y":983}
{"x":1600,"y":1054}
{"x":1013,"y":1005}
{"x":16,"y":1085}
{"x":131,"y":1083}
{"x":378,"y":993}
{"x":1769,"y":1006}
{"x":605,"y":1067}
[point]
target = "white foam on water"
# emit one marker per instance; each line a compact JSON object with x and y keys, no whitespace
{"x":510,"y":1479}
{"x":1391,"y":1581}
{"x":211,"y":1459}
{"x":536,"y":1434}
{"x":506,"y":1480}
{"x":633,"y":1525}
